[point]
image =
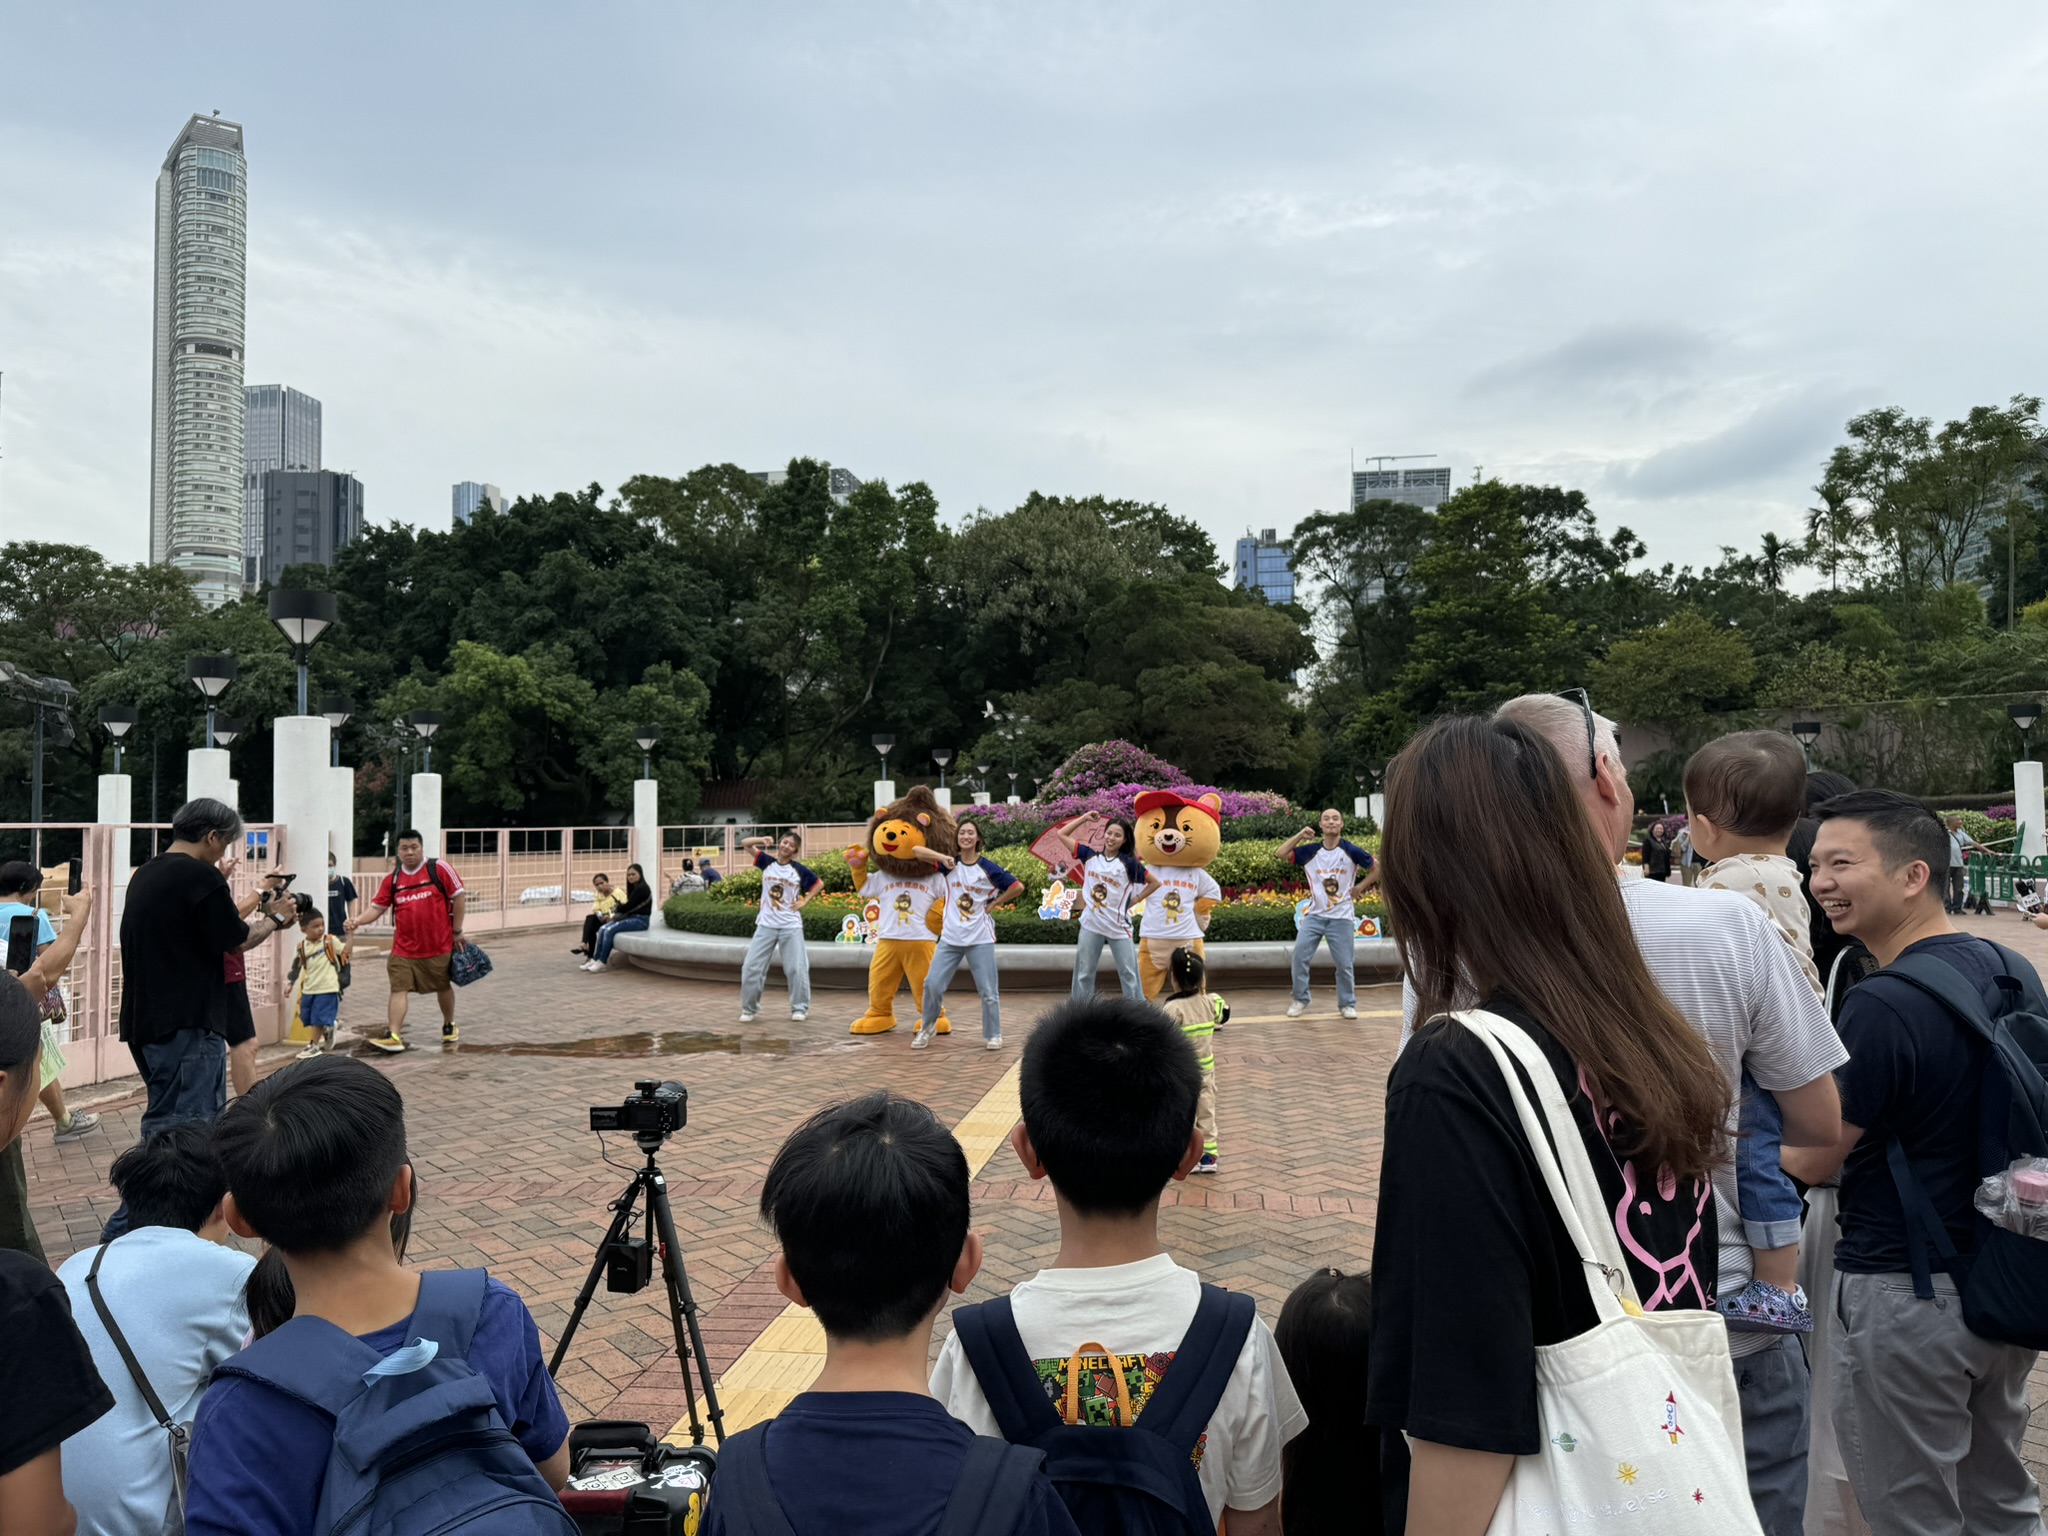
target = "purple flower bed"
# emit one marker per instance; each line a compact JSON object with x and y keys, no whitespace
{"x":1120,"y":801}
{"x":1105,"y":765}
{"x":2003,"y":812}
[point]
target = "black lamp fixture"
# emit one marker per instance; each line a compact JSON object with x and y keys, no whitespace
{"x":942,"y":756}
{"x":302,"y":615}
{"x":647,"y":736}
{"x":211,"y":676}
{"x":882,"y":745}
{"x":117,"y":720}
{"x":981,"y":776}
{"x":1806,"y":733}
{"x":225,"y":729}
{"x":426,"y":722}
{"x":337,"y":708}
{"x":2025,"y":716}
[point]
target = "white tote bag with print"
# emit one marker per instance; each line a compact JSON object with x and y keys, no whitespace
{"x":1641,"y":1424}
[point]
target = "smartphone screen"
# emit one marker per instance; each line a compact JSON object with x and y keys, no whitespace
{"x":77,"y":875}
{"x":21,"y":942}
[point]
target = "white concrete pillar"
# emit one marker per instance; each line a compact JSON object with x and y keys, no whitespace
{"x":1376,"y":807}
{"x":944,"y":797}
{"x":208,"y":776}
{"x":1015,"y":800}
{"x":1361,"y":805}
{"x":234,"y":794}
{"x":2027,"y":806}
{"x":301,"y":800}
{"x":885,"y":792}
{"x":341,"y":817}
{"x":426,"y":811}
{"x":647,"y":842}
{"x":981,"y":797}
{"x":117,"y":809}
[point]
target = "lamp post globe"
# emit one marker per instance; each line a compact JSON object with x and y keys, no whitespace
{"x":302,"y":615}
{"x":645,"y":738}
{"x":426,"y":722}
{"x":211,"y":676}
{"x":338,"y":709}
{"x":117,"y":720}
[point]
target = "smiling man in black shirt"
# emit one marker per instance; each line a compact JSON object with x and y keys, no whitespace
{"x":1929,"y":1415}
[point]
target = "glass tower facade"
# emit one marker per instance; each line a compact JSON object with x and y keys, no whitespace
{"x":1262,"y":567}
{"x":196,"y":490}
{"x":281,"y":430}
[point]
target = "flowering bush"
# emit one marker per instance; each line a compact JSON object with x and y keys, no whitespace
{"x":1104,"y":765}
{"x":2002,"y":812}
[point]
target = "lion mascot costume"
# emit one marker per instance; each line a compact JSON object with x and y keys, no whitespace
{"x":1177,"y":839}
{"x":909,"y":894}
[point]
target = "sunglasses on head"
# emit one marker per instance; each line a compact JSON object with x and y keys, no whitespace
{"x":1579,"y":696}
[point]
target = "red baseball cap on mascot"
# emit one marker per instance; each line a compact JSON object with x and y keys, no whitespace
{"x":1166,"y":800}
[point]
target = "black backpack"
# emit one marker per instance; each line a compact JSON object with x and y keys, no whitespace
{"x":2003,"y":1280}
{"x":1138,"y":1480}
{"x":989,"y":1499}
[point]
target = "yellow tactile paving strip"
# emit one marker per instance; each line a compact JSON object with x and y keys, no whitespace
{"x":790,"y":1352}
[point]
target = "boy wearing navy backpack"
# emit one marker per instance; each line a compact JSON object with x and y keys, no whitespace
{"x":1187,"y":1416}
{"x":394,"y":1399}
{"x":869,"y":1200}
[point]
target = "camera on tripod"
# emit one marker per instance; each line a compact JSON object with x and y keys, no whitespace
{"x":656,"y":1113}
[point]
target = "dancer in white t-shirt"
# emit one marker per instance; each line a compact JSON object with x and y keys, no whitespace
{"x":1338,"y":873}
{"x":975,"y":886}
{"x":1112,"y":882}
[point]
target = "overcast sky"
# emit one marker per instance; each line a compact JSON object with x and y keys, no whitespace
{"x":1187,"y":252}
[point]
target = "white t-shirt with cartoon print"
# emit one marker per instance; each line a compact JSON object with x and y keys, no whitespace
{"x":1331,"y":873}
{"x":904,"y":904}
{"x":781,"y":885}
{"x":1170,"y":910}
{"x":1106,"y":887}
{"x":971,"y":887}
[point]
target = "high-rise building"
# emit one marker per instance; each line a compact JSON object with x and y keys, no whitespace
{"x":471,"y":494}
{"x":308,"y":516}
{"x":840,"y":484}
{"x":281,"y":430}
{"x":195,"y":475}
{"x":1426,"y":487}
{"x":1262,"y":566}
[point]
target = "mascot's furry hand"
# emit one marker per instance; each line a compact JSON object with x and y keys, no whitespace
{"x":857,"y":862}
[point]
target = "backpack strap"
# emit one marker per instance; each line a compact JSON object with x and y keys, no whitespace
{"x":744,"y":1497}
{"x":993,"y":1492}
{"x":1924,"y":1226}
{"x":2022,"y":1074}
{"x":99,"y":1305}
{"x":988,"y":1337}
{"x":451,"y":1304}
{"x":310,"y":1359}
{"x":1185,"y":1399}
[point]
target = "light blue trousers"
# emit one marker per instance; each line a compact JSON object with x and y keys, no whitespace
{"x":787,"y":946}
{"x":981,"y":965}
{"x":1088,"y":955}
{"x":1338,"y":933}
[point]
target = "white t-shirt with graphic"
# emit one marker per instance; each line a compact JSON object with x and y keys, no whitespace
{"x":904,"y":903}
{"x":1142,"y":1311}
{"x":1170,"y":910}
{"x":781,"y":885}
{"x":1331,"y":874}
{"x":970,"y":889}
{"x":1106,"y":889}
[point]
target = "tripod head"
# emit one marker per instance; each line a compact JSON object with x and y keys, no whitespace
{"x":656,"y":1112}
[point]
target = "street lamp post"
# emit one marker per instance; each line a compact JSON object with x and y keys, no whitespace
{"x":2025,"y":716}
{"x":225,"y":729}
{"x":337,"y":708}
{"x":1806,"y":732}
{"x":211,"y":676}
{"x":117,"y":720}
{"x":426,"y":722}
{"x":942,"y":756}
{"x":882,"y":745}
{"x":302,"y":615}
{"x":646,"y":737}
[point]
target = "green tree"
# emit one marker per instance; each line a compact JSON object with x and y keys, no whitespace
{"x":1673,"y":677}
{"x":1871,"y":475}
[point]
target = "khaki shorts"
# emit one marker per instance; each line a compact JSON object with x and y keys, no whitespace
{"x":428,"y":973}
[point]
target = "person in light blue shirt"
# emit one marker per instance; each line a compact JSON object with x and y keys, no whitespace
{"x":174,"y":1289}
{"x":1338,"y":873}
{"x":20,"y":883}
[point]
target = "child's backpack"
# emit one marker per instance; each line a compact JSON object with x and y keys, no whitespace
{"x":991,"y":1497}
{"x":419,"y":1445}
{"x":2004,"y":1279}
{"x":1138,"y":1478}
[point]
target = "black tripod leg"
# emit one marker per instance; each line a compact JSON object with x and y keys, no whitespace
{"x":682,"y":1310}
{"x":621,"y":1223}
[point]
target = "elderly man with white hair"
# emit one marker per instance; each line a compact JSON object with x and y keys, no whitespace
{"x":1722,"y":965}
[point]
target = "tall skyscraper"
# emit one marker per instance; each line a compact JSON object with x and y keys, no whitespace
{"x":308,"y":516}
{"x":471,"y":494}
{"x":281,"y":430}
{"x":196,"y":500}
{"x":1262,"y":566}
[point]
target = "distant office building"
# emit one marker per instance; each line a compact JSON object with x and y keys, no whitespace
{"x":1262,"y":567}
{"x":839,"y":483}
{"x":281,"y":430}
{"x":308,"y":517}
{"x":471,"y":494}
{"x":196,"y":500}
{"x":1426,"y":488}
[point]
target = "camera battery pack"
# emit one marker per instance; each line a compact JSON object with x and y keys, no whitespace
{"x":629,"y":1265}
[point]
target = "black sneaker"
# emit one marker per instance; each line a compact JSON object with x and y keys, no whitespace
{"x":450,"y":1034}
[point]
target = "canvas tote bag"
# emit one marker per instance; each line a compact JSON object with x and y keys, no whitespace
{"x":1641,"y":1424}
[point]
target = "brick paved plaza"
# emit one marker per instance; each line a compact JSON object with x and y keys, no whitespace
{"x":511,"y":1177}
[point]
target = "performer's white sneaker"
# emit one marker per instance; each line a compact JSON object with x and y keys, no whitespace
{"x":1347,"y":1013}
{"x":747,"y":1018}
{"x":1296,"y":1010}
{"x":919,"y":1040}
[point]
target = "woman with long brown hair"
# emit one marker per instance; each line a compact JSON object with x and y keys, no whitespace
{"x":1501,"y":898}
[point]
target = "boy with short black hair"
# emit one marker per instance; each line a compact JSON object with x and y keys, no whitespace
{"x":1744,"y":795}
{"x":315,"y":1159}
{"x":1109,"y":1087}
{"x":869,"y":1200}
{"x":316,"y":967}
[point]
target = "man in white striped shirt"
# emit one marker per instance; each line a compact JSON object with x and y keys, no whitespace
{"x":1723,"y":966}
